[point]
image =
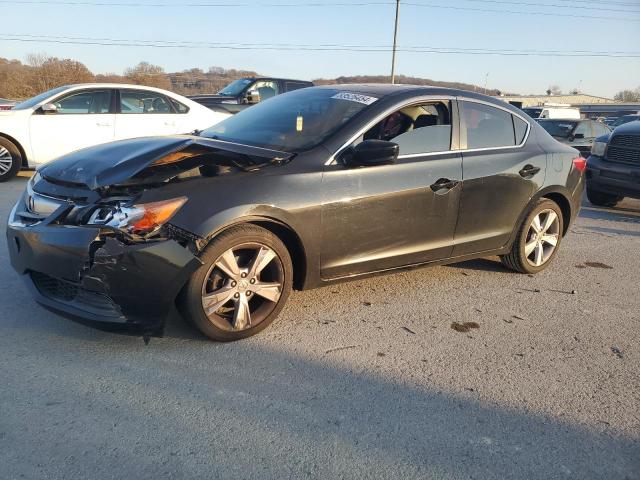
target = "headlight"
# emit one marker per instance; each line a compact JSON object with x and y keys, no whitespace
{"x":141,"y":219}
{"x":598,"y":148}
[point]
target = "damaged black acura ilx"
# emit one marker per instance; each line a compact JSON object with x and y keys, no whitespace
{"x":310,"y":187}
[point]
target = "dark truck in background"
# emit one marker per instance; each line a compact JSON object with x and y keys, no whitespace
{"x":244,"y":92}
{"x":613,"y":169}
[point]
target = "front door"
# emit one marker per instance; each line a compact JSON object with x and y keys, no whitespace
{"x":386,"y":216}
{"x":82,"y":119}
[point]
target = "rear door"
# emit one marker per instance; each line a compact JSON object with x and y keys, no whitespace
{"x":142,"y":113}
{"x":386,"y":216}
{"x":83,"y":118}
{"x":501,"y":172}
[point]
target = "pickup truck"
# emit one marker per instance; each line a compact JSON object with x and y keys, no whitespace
{"x":244,"y":92}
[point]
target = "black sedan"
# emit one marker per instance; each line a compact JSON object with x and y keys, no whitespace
{"x":311,"y":187}
{"x":579,"y":134}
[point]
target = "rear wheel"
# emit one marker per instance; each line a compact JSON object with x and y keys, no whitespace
{"x":538,"y":239}
{"x":242,"y":286}
{"x":10,"y":160}
{"x":603,"y":199}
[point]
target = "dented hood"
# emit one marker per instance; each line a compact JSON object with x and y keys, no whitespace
{"x":118,"y":162}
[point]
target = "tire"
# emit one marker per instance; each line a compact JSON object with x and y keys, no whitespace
{"x":522,"y":258}
{"x":245,"y":300}
{"x":603,"y":199}
{"x":10,"y":160}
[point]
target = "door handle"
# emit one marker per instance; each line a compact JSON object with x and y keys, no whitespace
{"x":443,"y":185}
{"x":170,"y":124}
{"x":104,"y":124}
{"x":528,"y":171}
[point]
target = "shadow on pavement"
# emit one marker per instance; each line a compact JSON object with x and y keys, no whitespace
{"x":89,"y":404}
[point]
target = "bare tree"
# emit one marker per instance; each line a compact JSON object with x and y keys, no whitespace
{"x":554,"y":90}
{"x":147,"y":74}
{"x":628,"y":95}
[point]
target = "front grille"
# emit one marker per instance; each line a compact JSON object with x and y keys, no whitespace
{"x":624,"y":149}
{"x":73,"y":294}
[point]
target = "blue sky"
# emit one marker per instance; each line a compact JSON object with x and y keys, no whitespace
{"x":352,"y":25}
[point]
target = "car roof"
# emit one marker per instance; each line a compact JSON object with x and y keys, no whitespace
{"x":115,"y":85}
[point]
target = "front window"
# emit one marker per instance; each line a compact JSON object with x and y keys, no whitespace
{"x":295,"y":121}
{"x":95,"y":101}
{"x":266,"y":89}
{"x":236,"y":87}
{"x":558,"y":128}
{"x":416,"y":129}
{"x":33,"y":101}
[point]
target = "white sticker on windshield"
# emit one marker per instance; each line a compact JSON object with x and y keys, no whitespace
{"x":355,"y":97}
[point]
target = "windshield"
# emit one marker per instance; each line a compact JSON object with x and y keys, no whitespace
{"x":558,"y":128}
{"x":625,"y":119}
{"x":532,"y":112}
{"x":295,"y":121}
{"x":33,"y":101}
{"x":236,"y":87}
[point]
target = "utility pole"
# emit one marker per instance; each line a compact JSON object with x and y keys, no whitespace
{"x":395,"y":37}
{"x":486,"y":79}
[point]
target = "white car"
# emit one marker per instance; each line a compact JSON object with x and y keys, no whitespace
{"x":72,"y":117}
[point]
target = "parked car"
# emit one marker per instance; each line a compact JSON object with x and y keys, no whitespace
{"x":244,"y":92}
{"x":579,"y":134}
{"x":315,"y":186}
{"x":68,"y":118}
{"x":6,"y":104}
{"x":610,"y":121}
{"x":625,"y":119}
{"x":613,"y":169}
{"x":552,"y":112}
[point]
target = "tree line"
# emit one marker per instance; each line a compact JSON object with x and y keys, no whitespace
{"x":41,"y":72}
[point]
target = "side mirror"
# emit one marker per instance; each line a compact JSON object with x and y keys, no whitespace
{"x":49,"y":108}
{"x":372,"y":152}
{"x":253,"y":96}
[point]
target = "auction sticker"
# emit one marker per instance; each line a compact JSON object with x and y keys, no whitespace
{"x":355,"y":97}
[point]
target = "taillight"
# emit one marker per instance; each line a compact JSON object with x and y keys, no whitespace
{"x":580,"y":164}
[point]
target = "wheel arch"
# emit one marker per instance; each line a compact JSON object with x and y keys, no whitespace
{"x":555,"y":194}
{"x":565,"y":207}
{"x":23,"y":153}
{"x":285,"y":233}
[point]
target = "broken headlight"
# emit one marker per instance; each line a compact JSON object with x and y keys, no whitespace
{"x":140,"y":219}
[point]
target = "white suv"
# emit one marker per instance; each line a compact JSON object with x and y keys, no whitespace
{"x":72,"y":117}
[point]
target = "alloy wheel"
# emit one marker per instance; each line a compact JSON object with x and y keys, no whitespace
{"x":242,"y":287}
{"x":6,"y":160}
{"x":542,"y":238}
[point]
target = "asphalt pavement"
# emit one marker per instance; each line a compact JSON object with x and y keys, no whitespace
{"x":457,"y":372}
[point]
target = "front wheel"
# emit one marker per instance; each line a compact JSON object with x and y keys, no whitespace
{"x":10,"y":160}
{"x":538,"y":239}
{"x":242,"y":285}
{"x":603,"y":199}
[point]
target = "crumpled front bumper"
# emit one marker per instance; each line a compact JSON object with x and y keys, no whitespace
{"x":71,"y":270}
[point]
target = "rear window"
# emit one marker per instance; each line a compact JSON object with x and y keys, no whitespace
{"x":486,"y":126}
{"x":558,"y":128}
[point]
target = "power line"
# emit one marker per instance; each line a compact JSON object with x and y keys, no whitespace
{"x":518,"y":12}
{"x":355,"y":47}
{"x":316,"y":4}
{"x":554,"y":5}
{"x":293,"y":48}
